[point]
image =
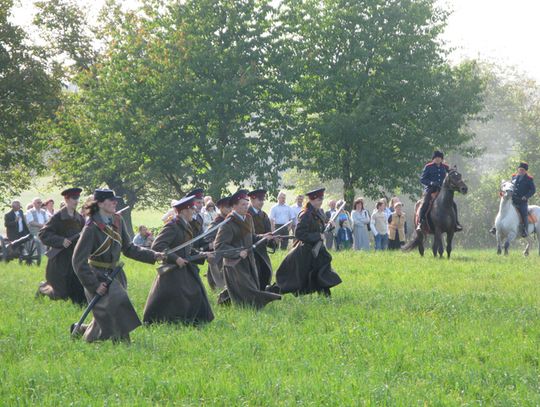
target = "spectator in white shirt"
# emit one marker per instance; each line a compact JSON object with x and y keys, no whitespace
{"x":36,"y":218}
{"x":144,"y":238}
{"x":379,"y":226}
{"x":281,"y":214}
{"x":208,"y":214}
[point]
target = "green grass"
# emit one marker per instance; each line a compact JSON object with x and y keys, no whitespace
{"x":399,"y":330}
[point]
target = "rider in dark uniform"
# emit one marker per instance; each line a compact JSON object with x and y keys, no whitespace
{"x":432,"y":179}
{"x":524,"y":189}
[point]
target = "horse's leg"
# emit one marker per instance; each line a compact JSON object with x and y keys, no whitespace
{"x":449,"y":237}
{"x":441,"y":246}
{"x":436,"y":242}
{"x":526,"y":251}
{"x":421,"y":248}
{"x":499,"y":238}
{"x":509,"y":238}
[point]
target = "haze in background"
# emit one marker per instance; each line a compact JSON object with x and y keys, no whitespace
{"x":497,"y":30}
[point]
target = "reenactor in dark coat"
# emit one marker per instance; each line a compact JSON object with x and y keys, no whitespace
{"x":96,"y":254}
{"x":307,"y":267}
{"x":432,"y":179}
{"x":524,"y":190}
{"x":197,"y":221}
{"x":240,"y":268}
{"x":214,"y":275}
{"x":178,"y":294}
{"x":262,"y":225}
{"x":15,"y":222}
{"x":61,"y":233}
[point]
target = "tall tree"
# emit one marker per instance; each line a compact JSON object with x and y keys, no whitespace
{"x":376,"y":94}
{"x":223,"y":96}
{"x":28,"y":94}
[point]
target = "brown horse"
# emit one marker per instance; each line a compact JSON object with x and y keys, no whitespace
{"x":441,"y":218}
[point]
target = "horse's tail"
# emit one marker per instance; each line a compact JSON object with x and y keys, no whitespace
{"x":417,"y":238}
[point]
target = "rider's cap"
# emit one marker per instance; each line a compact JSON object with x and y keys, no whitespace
{"x":525,"y":166}
{"x":437,"y":153}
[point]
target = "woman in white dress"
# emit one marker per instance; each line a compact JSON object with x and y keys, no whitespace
{"x":361,"y":219}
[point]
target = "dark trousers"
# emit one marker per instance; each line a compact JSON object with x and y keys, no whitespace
{"x":523,"y":209}
{"x":283,"y":232}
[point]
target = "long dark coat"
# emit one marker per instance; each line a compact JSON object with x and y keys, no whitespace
{"x":61,"y":281}
{"x":241,"y":277}
{"x":177,"y":295}
{"x":262,"y":225}
{"x":301,"y":272}
{"x":214,"y":275}
{"x":114,"y":315}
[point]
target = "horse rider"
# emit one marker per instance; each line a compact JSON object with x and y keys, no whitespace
{"x":523,"y":189}
{"x":432,"y":179}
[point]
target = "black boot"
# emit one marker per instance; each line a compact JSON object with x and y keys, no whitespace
{"x":459,"y":228}
{"x":325,"y":292}
{"x":493,"y":231}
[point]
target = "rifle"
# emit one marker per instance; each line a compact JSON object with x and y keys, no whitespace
{"x":264,"y":239}
{"x":315,"y":250}
{"x":175,"y":249}
{"x":110,"y":278}
{"x":54,"y":251}
{"x":168,"y":267}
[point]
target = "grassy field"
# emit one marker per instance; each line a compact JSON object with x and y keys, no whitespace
{"x":400,"y":330}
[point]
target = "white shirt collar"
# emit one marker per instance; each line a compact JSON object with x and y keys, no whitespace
{"x":243,"y":218}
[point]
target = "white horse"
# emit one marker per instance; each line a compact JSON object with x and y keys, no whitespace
{"x":508,"y":220}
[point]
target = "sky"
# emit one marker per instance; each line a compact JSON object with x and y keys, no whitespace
{"x":501,"y":31}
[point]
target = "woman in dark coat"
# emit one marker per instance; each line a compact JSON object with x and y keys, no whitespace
{"x":214,"y":275}
{"x":262,"y":225}
{"x":97,"y":253}
{"x":240,"y":269}
{"x":178,"y":294}
{"x":60,"y":234}
{"x":307,"y":267}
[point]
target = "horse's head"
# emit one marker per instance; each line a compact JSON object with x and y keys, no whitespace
{"x":454,"y":181}
{"x":507,"y":189}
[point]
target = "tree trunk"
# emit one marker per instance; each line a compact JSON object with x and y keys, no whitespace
{"x":348,"y":194}
{"x":130,"y":199}
{"x":348,"y":182}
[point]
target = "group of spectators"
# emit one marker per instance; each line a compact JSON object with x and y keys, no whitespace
{"x":385,"y":228}
{"x":19,"y":223}
{"x":387,"y":224}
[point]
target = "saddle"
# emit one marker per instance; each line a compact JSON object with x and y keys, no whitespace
{"x":427,"y":225}
{"x":531,"y":217}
